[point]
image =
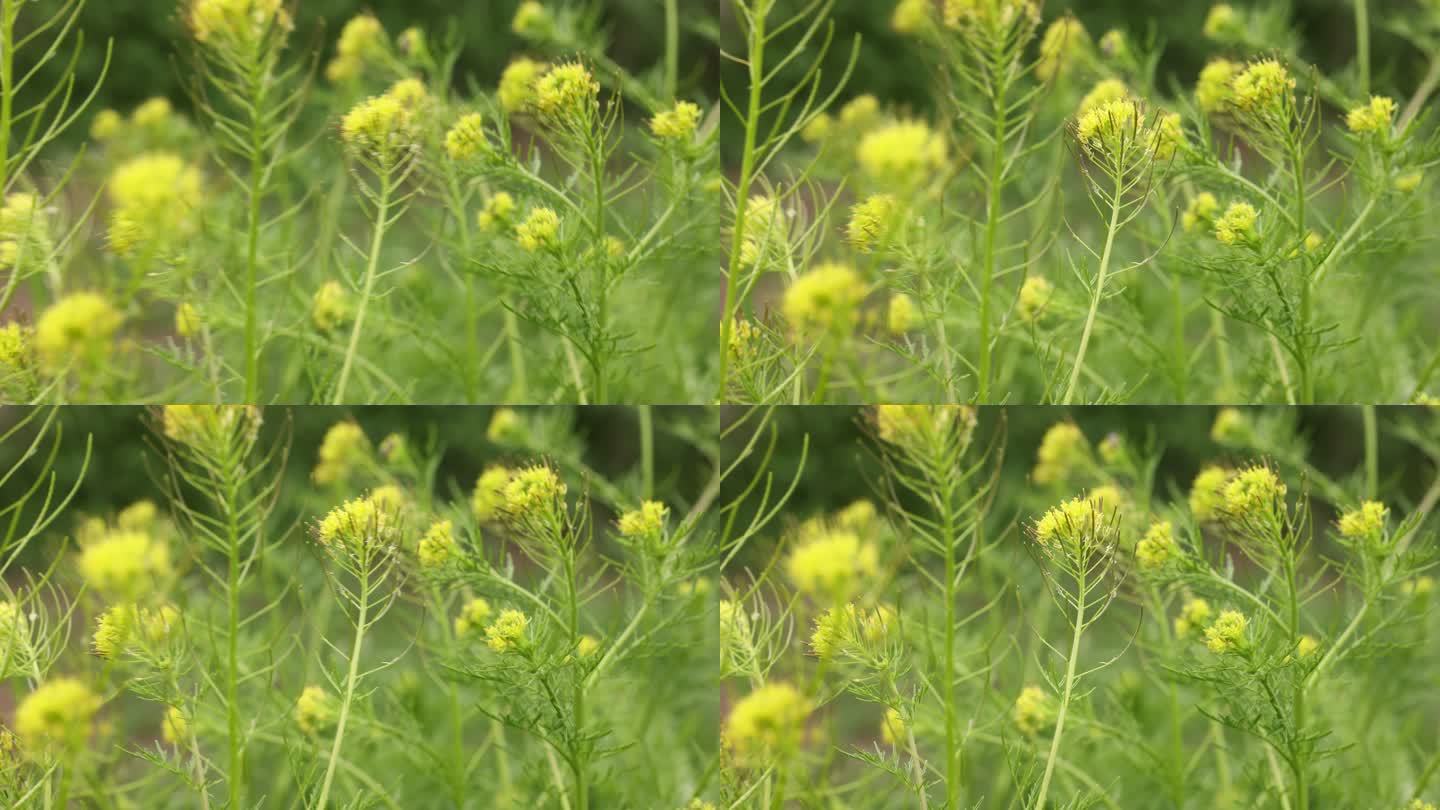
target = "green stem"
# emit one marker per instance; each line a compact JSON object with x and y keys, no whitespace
{"x":1362,"y":43}
{"x":8,"y":14}
{"x":1099,"y":293}
{"x":578,"y":759}
{"x":1304,"y":359}
{"x":252,"y":248}
{"x":647,"y":452}
{"x":1372,"y":453}
{"x":350,"y":680}
{"x":952,"y":758}
{"x":371,"y":269}
{"x":235,"y":777}
{"x":756,"y":56}
{"x":1065,"y":696}
{"x":672,"y":48}
{"x":992,"y":227}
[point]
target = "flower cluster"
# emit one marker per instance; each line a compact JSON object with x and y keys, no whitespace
{"x":832,"y":564}
{"x":768,"y":723}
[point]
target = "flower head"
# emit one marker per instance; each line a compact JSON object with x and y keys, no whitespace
{"x":900,"y":316}
{"x":922,"y":426}
{"x":360,"y":39}
{"x":473,"y":616}
{"x":1373,"y":118}
{"x":533,"y":20}
{"x":1263,"y":86}
{"x":1227,"y":632}
{"x":1158,"y":546}
{"x":1306,"y":646}
{"x":893,"y":728}
{"x":1034,"y":710}
{"x":489,"y":494}
{"x":1230,"y":427}
{"x":1222,"y":21}
{"x":330,"y":307}
{"x":911,"y":16}
{"x":467,"y":138}
{"x":155,"y":198}
{"x":539,"y":231}
{"x":1194,"y":615}
{"x":901,"y":154}
{"x":236,"y":21}
{"x":871,"y":222}
{"x":566,"y":93}
{"x":647,"y":521}
{"x":768,"y":722}
{"x":316,"y":710}
{"x":437,"y":547}
{"x":832,"y":564}
{"x":210,"y":429}
{"x":1078,"y":522}
{"x":825,"y":300}
{"x":1035,"y":294}
{"x":1237,"y":225}
{"x":1064,"y":44}
{"x":517,"y":84}
{"x":380,"y":127}
{"x":535,"y":490}
{"x":1200,"y":213}
{"x":498,"y":211}
{"x":175,"y":726}
{"x":677,"y":123}
{"x":1252,"y":491}
{"x":1207,"y":492}
{"x":56,"y":714}
{"x":1367,"y":522}
{"x":78,"y":326}
{"x":1104,"y":92}
{"x":344,"y":448}
{"x":507,"y":632}
{"x":125,"y":564}
{"x":1062,"y":449}
{"x":1214,"y":88}
{"x":359,"y":522}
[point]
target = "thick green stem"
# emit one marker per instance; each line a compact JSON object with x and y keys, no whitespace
{"x":1372,"y":453}
{"x":756,"y":58}
{"x":351,"y":678}
{"x":992,"y":228}
{"x":672,"y":48}
{"x":8,"y":13}
{"x":235,"y":778}
{"x":1065,"y":696}
{"x":1362,"y":43}
{"x":252,"y":247}
{"x":952,"y":758}
{"x":368,"y":289}
{"x":647,"y":452}
{"x":1099,"y":293}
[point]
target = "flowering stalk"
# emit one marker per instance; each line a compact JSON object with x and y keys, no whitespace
{"x":367,"y":289}
{"x":1099,"y":290}
{"x":351,"y":678}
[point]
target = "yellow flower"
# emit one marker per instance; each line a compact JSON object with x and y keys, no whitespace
{"x":922,"y":425}
{"x":539,"y":231}
{"x":1200,"y":213}
{"x":1227,"y":633}
{"x":1158,"y":546}
{"x":315,"y":710}
{"x":902,"y":153}
{"x":125,"y":564}
{"x":1418,"y":586}
{"x":175,"y":726}
{"x":437,"y":547}
{"x":1073,"y":523}
{"x":1408,"y":182}
{"x":566,"y":92}
{"x":1034,"y":710}
{"x":1365,"y":523}
{"x":817,"y":128}
{"x":1306,"y":646}
{"x":112,"y":630}
{"x":1167,"y":136}
{"x":1194,"y":615}
{"x":1252,"y":490}
{"x":56,"y":714}
{"x":768,"y":722}
{"x":910,"y":16}
{"x":330,"y":307}
{"x":534,"y":490}
{"x":1231,"y":426}
{"x":489,"y":495}
{"x":1264,"y":85}
{"x":380,"y":126}
{"x":1104,"y":92}
{"x":860,"y":112}
{"x":647,"y":521}
{"x":900,"y":318}
{"x":1207,"y":493}
{"x":532,"y":20}
{"x":1213,"y":90}
{"x":1062,"y":449}
{"x":1064,"y":44}
{"x":677,"y":123}
{"x":517,"y":84}
{"x":343,"y":449}
{"x":473,"y":615}
{"x":507,"y":632}
{"x":107,"y":124}
{"x":497,"y":212}
{"x":239,"y":21}
{"x":824,"y":300}
{"x":1237,"y":224}
{"x":1374,"y":118}
{"x":467,"y":139}
{"x":152,"y":113}
{"x":1035,"y":294}
{"x":187,"y":319}
{"x":832,"y":564}
{"x":80,"y":325}
{"x":893,"y":728}
{"x":1109,"y":124}
{"x":871,"y":221}
{"x":210,"y":428}
{"x":506,"y":427}
{"x":15,"y":646}
{"x":1114,"y":44}
{"x":1222,"y":21}
{"x":156,"y":188}
{"x":357,"y":522}
{"x":587,"y":646}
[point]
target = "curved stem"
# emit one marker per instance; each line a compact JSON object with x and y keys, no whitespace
{"x":351,"y":678}
{"x":1099,"y":293}
{"x":371,"y":268}
{"x":1065,"y":697}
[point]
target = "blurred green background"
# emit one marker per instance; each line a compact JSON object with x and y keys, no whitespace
{"x":150,"y":57}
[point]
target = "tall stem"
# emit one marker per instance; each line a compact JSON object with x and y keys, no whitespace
{"x":350,"y":680}
{"x":952,"y":759}
{"x":1065,"y":697}
{"x":1099,"y":293}
{"x":647,"y":451}
{"x":1304,"y":360}
{"x":672,"y":48}
{"x":1362,"y":43}
{"x":371,"y":268}
{"x":8,"y":12}
{"x":252,"y":248}
{"x":1372,"y":453}
{"x":756,"y":57}
{"x":992,"y":228}
{"x":235,"y":778}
